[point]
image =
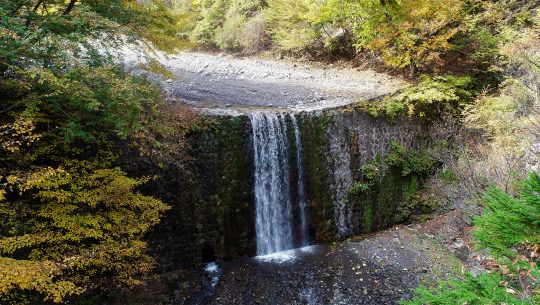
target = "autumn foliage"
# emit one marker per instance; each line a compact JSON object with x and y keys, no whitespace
{"x":72,"y":222}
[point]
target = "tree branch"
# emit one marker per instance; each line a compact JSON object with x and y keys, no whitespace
{"x":532,"y":62}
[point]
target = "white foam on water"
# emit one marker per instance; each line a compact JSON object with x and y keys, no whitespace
{"x":213,"y":269}
{"x":278,"y":257}
{"x":284,"y":256}
{"x":308,"y":249}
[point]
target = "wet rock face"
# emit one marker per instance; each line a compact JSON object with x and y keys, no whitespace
{"x":213,"y":210}
{"x":338,"y":143}
{"x":212,"y":207}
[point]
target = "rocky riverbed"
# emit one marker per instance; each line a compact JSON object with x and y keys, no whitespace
{"x":219,"y":81}
{"x":382,"y":268}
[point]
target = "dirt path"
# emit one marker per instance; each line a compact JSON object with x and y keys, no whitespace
{"x":223,"y":81}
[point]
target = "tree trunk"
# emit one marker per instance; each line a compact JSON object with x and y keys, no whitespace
{"x":70,"y":7}
{"x":28,"y":17}
{"x":37,"y":5}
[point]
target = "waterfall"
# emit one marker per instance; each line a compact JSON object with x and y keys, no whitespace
{"x":274,"y":217}
{"x":300,"y":184}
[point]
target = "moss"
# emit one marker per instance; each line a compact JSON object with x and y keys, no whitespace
{"x":411,"y":188}
{"x":319,"y":199}
{"x":367,"y":219}
{"x":380,"y":206}
{"x":212,"y":208}
{"x":228,"y":193}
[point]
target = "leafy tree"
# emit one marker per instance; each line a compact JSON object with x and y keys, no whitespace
{"x":289,"y":25}
{"x":423,"y":36}
{"x":71,"y":222}
{"x":407,"y":33}
{"x":225,"y":23}
{"x":66,"y":230}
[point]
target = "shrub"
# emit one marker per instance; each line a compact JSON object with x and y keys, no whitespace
{"x":430,"y":99}
{"x":229,"y":35}
{"x":410,"y":161}
{"x":359,"y":188}
{"x":223,"y":23}
{"x":495,"y":115}
{"x":508,"y":221}
{"x":510,"y":230}
{"x":254,"y":37}
{"x":486,"y":289}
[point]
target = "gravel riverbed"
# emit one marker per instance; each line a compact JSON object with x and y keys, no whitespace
{"x":217,"y":81}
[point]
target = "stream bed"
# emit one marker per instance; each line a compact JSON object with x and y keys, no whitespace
{"x":382,"y":268}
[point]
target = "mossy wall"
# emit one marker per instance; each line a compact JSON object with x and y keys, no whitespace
{"x":211,"y":198}
{"x":315,"y":157}
{"x":336,"y":144}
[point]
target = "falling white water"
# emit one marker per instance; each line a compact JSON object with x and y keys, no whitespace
{"x":274,"y":218}
{"x":300,"y":184}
